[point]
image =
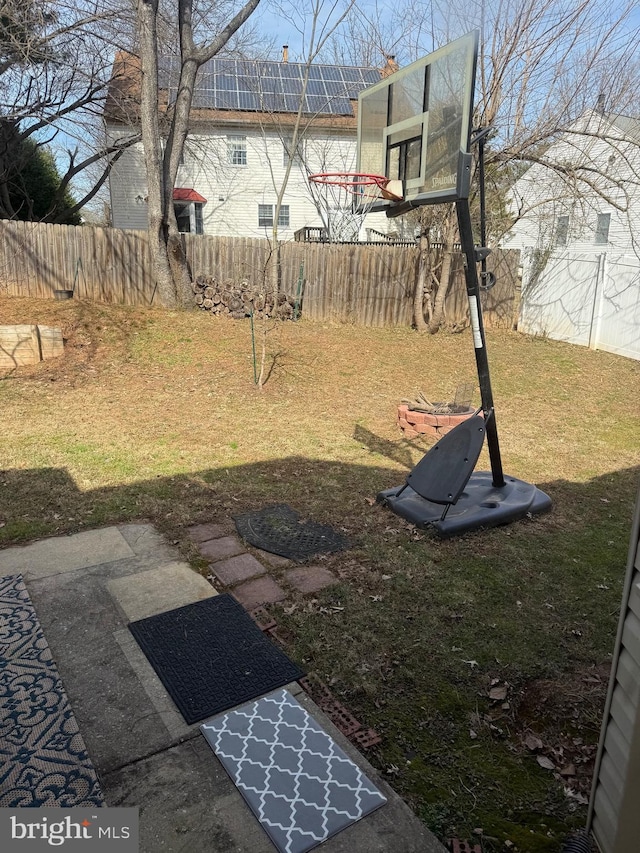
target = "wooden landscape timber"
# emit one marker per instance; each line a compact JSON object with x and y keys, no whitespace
{"x":28,"y":344}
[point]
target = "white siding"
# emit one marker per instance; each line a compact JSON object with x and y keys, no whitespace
{"x":233,"y":192}
{"x":614,"y":817}
{"x":127,"y":185}
{"x":541,"y":195}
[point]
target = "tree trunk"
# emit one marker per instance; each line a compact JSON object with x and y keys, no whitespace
{"x":150,"y":131}
{"x":448,"y":234}
{"x":424,"y":266}
{"x":437,"y":318}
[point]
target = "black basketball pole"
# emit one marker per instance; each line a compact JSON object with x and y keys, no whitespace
{"x":477,"y":329}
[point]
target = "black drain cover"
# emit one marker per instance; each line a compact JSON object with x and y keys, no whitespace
{"x":278,"y":530}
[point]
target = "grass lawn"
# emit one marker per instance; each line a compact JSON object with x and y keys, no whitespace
{"x":460,"y":653}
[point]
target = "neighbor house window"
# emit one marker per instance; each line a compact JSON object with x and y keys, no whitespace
{"x":288,"y":152}
{"x":602,"y":229}
{"x":265,"y":216}
{"x":189,"y":217}
{"x":562,"y":230}
{"x":237,"y":150}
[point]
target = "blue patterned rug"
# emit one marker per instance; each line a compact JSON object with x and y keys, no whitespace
{"x":43,"y":759}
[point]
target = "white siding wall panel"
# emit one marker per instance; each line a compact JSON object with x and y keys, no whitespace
{"x":631,"y":636}
{"x":128,"y":186}
{"x":233,"y":192}
{"x":608,"y":818}
{"x":616,"y":745}
{"x":614,"y":817}
{"x":628,"y":675}
{"x":623,"y":712}
{"x":540,"y":195}
{"x":611,"y":777}
{"x":604,"y":832}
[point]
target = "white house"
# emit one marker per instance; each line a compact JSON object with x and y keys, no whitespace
{"x":578,"y":228}
{"x":239,"y":143}
{"x":591,"y":198}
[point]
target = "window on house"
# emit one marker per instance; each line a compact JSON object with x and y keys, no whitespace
{"x":265,"y":216}
{"x":287,"y":151}
{"x":189,"y":217}
{"x":602,"y":229}
{"x":199,"y":218}
{"x":237,"y":150}
{"x":562,"y":230}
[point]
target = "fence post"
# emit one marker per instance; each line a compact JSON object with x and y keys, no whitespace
{"x":596,"y":313}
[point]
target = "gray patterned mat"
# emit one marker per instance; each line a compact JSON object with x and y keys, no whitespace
{"x":43,"y":759}
{"x":297,"y":781}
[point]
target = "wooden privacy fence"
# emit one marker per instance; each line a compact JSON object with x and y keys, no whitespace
{"x":363,"y":284}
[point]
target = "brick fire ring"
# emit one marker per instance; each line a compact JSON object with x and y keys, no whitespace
{"x":414,"y":423}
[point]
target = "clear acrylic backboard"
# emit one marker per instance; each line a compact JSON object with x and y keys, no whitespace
{"x":415,"y":125}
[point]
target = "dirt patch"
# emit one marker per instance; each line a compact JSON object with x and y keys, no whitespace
{"x":91,"y":334}
{"x":558,"y":722}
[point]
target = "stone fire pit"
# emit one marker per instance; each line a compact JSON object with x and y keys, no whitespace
{"x":414,"y":423}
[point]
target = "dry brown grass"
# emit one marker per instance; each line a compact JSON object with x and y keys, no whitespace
{"x":153,"y":414}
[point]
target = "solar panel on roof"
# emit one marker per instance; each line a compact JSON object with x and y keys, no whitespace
{"x":331,"y":73}
{"x":316,"y":87}
{"x":353,"y":75}
{"x":335,"y":88}
{"x":248,"y":100}
{"x":316,"y":104}
{"x":270,"y":84}
{"x":290,"y":75}
{"x":274,"y":86}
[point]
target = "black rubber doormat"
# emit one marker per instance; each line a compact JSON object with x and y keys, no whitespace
{"x":43,"y":759}
{"x":279,"y":530}
{"x":211,"y":656}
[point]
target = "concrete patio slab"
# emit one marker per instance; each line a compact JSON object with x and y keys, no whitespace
{"x":157,"y":590}
{"x":66,"y":553}
{"x":142,"y":749}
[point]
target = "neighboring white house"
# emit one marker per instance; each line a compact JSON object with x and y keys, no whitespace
{"x":239,"y":144}
{"x":579,"y":233}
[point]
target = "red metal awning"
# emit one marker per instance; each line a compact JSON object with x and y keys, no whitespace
{"x":187,"y":194}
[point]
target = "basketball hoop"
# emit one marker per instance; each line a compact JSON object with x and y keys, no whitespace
{"x":344,"y":199}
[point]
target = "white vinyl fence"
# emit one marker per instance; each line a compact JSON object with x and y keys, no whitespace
{"x":583,"y":298}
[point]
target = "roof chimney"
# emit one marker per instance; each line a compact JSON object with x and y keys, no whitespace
{"x":285,"y":52}
{"x":390,"y":67}
{"x":600,"y":104}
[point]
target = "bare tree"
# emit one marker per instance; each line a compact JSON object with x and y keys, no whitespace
{"x":316,"y":21}
{"x":543,"y":66}
{"x":168,"y":259}
{"x":55,"y":60}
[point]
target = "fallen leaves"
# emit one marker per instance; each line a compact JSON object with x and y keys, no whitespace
{"x":533,"y":743}
{"x":498,"y":693}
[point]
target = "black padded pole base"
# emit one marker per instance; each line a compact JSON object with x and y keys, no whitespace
{"x":481,"y":504}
